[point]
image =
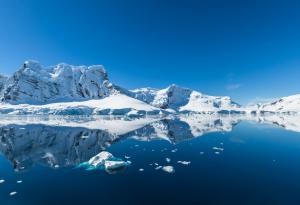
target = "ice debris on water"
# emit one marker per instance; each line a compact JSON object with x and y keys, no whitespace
{"x":158,"y":167}
{"x":141,"y":169}
{"x":218,"y":149}
{"x":2,"y":181}
{"x":169,"y":169}
{"x":168,"y":160}
{"x":174,"y":150}
{"x":184,"y":162}
{"x":12,"y":193}
{"x":19,"y":181}
{"x":105,"y":161}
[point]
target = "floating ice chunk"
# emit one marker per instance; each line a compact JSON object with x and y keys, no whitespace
{"x":184,"y":162}
{"x":56,"y":166}
{"x":141,"y":169}
{"x":127,"y":157}
{"x":168,"y":160}
{"x":218,"y":149}
{"x":217,"y":152}
{"x":100,"y":158}
{"x":2,"y":181}
{"x":136,"y":145}
{"x":110,"y":165}
{"x":201,"y":153}
{"x":158,"y":167}
{"x":104,"y":160}
{"x":19,"y":181}
{"x":168,"y":169}
{"x":174,"y":150}
{"x":12,"y":193}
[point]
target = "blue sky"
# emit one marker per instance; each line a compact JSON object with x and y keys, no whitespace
{"x":249,"y":50}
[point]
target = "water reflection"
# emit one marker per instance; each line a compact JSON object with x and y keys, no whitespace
{"x":67,"y":141}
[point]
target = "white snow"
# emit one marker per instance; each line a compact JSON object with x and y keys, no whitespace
{"x":2,"y":181}
{"x":113,"y":105}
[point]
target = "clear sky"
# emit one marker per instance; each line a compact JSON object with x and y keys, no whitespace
{"x":247,"y":49}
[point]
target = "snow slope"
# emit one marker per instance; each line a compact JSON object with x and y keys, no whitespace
{"x":116,"y":104}
{"x":290,"y":104}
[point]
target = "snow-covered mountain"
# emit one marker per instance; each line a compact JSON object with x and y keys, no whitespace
{"x":3,"y":80}
{"x":66,"y":89}
{"x":186,"y":100}
{"x":34,"y":84}
{"x":290,"y":104}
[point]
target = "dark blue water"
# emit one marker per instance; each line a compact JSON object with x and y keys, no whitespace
{"x":259,"y":164}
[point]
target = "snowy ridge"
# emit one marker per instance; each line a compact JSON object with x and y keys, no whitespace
{"x":290,"y":104}
{"x":186,"y":100}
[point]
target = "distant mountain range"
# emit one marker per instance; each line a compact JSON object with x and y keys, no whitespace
{"x":66,"y":89}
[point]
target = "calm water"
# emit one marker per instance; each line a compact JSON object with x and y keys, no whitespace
{"x":233,"y":160}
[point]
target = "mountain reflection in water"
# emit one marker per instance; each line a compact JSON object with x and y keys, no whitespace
{"x":67,"y":141}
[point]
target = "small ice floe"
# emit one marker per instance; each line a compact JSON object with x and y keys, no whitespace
{"x":111,"y":165}
{"x":158,"y":167}
{"x":217,"y":152}
{"x":168,"y":160}
{"x":218,"y":149}
{"x":141,"y":169}
{"x":155,"y":164}
{"x":22,"y":128}
{"x":12,"y":193}
{"x":152,"y":150}
{"x":221,"y":143}
{"x":168,"y":169}
{"x":106,"y":161}
{"x":136,"y":145}
{"x":201,"y":153}
{"x":2,"y":181}
{"x":19,"y":181}
{"x":174,"y":150}
{"x":184,"y":162}
{"x":127,"y":157}
{"x":56,"y":166}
